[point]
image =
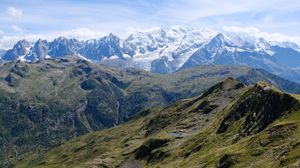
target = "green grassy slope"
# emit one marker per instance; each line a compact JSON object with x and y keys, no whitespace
{"x":46,"y":103}
{"x":229,"y":125}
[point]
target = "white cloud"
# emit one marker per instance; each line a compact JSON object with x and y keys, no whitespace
{"x":15,"y":12}
{"x":81,"y":33}
{"x":17,"y":29}
{"x":7,"y":41}
{"x":135,"y":29}
{"x":189,"y":10}
{"x":273,"y":37}
{"x":250,"y":30}
{"x":1,"y":34}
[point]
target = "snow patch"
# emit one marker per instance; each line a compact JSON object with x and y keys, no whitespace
{"x":113,"y":57}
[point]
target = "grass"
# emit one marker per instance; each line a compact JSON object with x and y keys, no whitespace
{"x":49,"y":106}
{"x":275,"y":146}
{"x":297,"y":96}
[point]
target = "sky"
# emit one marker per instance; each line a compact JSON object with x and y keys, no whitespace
{"x":86,"y":19}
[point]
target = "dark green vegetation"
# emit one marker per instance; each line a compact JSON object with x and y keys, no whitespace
{"x":44,"y":104}
{"x":229,"y":125}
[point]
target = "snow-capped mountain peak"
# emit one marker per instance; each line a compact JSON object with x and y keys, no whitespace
{"x":219,"y":40}
{"x":170,"y":49}
{"x":181,"y":28}
{"x":20,"y":49}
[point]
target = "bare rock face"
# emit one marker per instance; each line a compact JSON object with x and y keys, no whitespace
{"x":21,"y":48}
{"x":147,"y":150}
{"x":260,"y":106}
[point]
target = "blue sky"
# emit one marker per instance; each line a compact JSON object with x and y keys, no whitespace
{"x":85,"y":19}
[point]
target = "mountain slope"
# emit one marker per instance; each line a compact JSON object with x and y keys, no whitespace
{"x":20,"y":49}
{"x":2,"y":52}
{"x":46,"y":103}
{"x":223,"y":127}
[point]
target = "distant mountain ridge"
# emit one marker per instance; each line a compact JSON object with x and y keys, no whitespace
{"x":169,"y":50}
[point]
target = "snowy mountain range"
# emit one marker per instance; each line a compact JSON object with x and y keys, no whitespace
{"x":169,"y":50}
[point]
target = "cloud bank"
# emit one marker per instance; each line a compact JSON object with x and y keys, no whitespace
{"x":7,"y":41}
{"x":275,"y":37}
{"x":15,"y":12}
{"x":90,"y":18}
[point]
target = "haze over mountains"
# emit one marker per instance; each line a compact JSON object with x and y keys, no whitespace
{"x":169,"y":50}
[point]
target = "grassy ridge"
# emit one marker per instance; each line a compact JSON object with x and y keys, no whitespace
{"x":186,"y":134}
{"x":45,"y":104}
